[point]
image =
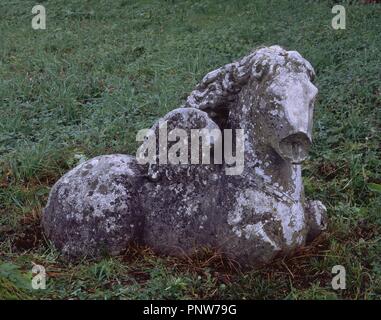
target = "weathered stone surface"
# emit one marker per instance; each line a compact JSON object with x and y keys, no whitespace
{"x":250,"y":216}
{"x":317,"y":218}
{"x":260,"y":212}
{"x":95,"y":208}
{"x":186,"y":119}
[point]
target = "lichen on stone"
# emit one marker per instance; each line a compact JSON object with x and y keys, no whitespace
{"x":106,"y":202}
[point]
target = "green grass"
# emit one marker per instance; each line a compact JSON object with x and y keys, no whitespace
{"x":101,"y":71}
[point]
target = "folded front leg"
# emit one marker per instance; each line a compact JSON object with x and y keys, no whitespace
{"x":316,"y":213}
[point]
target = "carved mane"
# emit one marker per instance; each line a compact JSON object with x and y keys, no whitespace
{"x":219,"y":89}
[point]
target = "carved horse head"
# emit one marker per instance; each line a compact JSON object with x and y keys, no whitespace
{"x":285,"y":106}
{"x":281,"y":97}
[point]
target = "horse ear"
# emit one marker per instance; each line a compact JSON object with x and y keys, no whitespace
{"x":297,"y":57}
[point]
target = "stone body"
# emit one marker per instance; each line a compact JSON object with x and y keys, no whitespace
{"x":175,"y":209}
{"x":94,"y":209}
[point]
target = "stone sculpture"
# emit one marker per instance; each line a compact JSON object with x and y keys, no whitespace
{"x":103,"y":204}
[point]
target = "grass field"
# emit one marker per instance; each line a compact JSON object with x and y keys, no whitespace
{"x":103,"y":69}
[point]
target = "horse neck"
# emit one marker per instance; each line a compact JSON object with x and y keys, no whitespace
{"x":262,"y":164}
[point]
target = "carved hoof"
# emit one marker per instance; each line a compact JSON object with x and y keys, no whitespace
{"x":93,"y":209}
{"x":317,"y":218}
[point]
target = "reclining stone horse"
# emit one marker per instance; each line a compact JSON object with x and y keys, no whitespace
{"x":105,"y":203}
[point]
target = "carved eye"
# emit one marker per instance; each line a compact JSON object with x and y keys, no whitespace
{"x":311,"y":73}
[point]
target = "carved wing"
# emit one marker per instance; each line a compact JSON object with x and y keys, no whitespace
{"x":176,"y":129}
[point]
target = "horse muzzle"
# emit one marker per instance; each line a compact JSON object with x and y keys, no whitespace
{"x":295,"y":147}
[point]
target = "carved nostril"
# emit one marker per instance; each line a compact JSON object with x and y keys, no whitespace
{"x":295,"y":147}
